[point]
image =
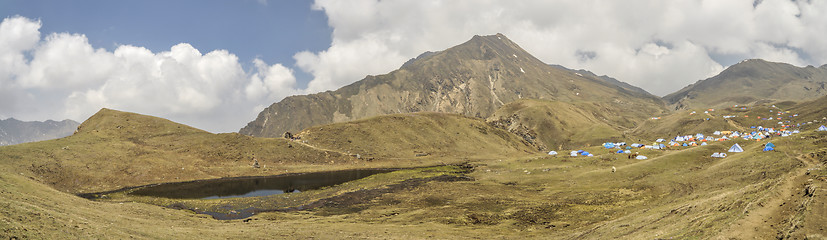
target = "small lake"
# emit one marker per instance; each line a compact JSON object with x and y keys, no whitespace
{"x":254,"y":186}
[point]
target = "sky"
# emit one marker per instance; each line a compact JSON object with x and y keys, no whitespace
{"x":216,"y":64}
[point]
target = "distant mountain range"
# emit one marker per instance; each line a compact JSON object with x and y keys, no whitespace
{"x":474,"y":79}
{"x":13,"y":131}
{"x":751,"y":81}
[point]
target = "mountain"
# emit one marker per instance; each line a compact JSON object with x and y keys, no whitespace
{"x":13,"y":131}
{"x":473,"y":79}
{"x":751,"y":81}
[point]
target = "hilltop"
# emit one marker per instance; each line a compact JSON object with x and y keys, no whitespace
{"x":13,"y":131}
{"x":473,"y":79}
{"x":752,"y":81}
{"x":114,"y":149}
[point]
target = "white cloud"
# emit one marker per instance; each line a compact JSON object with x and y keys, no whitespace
{"x":65,"y":77}
{"x":658,"y":45}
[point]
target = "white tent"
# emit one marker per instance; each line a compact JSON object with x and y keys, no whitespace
{"x":822,"y":128}
{"x":736,"y":148}
{"x":719,"y":155}
{"x":552,"y":153}
{"x":574,"y":153}
{"x":641,"y":157}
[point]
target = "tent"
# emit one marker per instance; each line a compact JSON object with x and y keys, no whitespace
{"x":619,"y":151}
{"x":703,"y":144}
{"x":609,"y":145}
{"x":685,"y":145}
{"x":590,"y":155}
{"x":627,"y":151}
{"x":822,"y":128}
{"x":770,"y":145}
{"x":552,"y":153}
{"x":574,"y":153}
{"x":584,"y":153}
{"x":736,"y":148}
{"x":717,"y":133}
{"x":641,"y":157}
{"x":768,"y":148}
{"x":660,"y":140}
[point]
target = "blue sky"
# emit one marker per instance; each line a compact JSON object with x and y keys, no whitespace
{"x":215,"y":65}
{"x":272,"y":31}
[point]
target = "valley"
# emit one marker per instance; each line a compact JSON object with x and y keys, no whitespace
{"x":464,"y":140}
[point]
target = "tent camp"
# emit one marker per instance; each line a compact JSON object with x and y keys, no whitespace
{"x":822,"y":128}
{"x":736,"y":148}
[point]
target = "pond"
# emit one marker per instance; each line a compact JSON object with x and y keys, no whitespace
{"x":254,"y":186}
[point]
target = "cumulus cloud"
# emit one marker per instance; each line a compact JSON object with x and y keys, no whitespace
{"x":65,"y":77}
{"x":660,"y":46}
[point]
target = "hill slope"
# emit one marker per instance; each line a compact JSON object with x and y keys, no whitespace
{"x":473,"y":79}
{"x":411,"y":135}
{"x":13,"y":131}
{"x":564,"y":125}
{"x":114,"y":149}
{"x":750,"y":81}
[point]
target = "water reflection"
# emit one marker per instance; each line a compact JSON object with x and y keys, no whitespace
{"x":254,"y":187}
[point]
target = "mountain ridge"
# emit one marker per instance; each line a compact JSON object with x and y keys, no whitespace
{"x":750,"y":81}
{"x":13,"y":131}
{"x":474,"y":79}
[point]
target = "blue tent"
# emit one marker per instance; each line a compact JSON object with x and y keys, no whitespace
{"x":628,"y":147}
{"x":685,"y":145}
{"x":580,"y":151}
{"x":770,"y":145}
{"x":619,"y":151}
{"x":609,"y":145}
{"x":584,"y":153}
{"x":768,"y":148}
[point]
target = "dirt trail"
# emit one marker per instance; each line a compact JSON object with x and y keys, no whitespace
{"x":776,"y":213}
{"x":318,"y":148}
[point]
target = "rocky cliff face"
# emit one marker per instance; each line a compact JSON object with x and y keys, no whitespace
{"x":13,"y":131}
{"x":473,"y":79}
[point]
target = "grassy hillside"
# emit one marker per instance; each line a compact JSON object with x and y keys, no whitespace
{"x":561,"y":125}
{"x":754,"y":195}
{"x":417,"y":135}
{"x":512,"y":192}
{"x":114,"y":149}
